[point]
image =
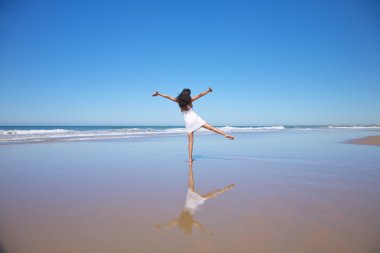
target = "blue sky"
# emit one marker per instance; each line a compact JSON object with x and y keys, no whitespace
{"x":269,"y":62}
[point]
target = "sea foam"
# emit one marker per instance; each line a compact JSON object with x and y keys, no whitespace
{"x":60,"y":134}
{"x":48,"y":134}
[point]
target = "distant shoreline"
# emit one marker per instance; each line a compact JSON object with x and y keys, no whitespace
{"x":369,"y":140}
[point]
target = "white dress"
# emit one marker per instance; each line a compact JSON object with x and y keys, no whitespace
{"x":193,"y":201}
{"x":192,"y":121}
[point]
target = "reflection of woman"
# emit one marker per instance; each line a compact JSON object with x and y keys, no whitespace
{"x":193,"y":202}
{"x":192,"y":121}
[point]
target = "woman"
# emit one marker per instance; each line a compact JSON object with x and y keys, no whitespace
{"x":192,"y":121}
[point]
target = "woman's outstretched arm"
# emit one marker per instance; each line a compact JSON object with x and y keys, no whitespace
{"x":202,"y":94}
{"x":155,"y":94}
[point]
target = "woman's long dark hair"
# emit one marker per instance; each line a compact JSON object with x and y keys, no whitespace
{"x":184,"y":100}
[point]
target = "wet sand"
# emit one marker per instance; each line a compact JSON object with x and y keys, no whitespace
{"x":370,"y":140}
{"x":272,"y":192}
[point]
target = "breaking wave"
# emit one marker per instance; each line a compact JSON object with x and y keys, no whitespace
{"x":61,"y":134}
{"x":48,"y":134}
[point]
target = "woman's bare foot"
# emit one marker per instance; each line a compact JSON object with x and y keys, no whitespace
{"x":229,"y":137}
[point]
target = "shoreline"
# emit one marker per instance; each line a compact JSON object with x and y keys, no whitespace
{"x":369,"y":140}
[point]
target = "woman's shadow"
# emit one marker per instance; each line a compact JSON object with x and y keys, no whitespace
{"x":186,"y":221}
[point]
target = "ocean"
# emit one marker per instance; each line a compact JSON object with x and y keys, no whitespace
{"x":37,"y":134}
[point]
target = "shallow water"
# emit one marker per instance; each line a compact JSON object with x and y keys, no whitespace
{"x":294,"y":191}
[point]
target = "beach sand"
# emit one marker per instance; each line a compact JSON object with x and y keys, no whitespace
{"x":287,"y":192}
{"x":370,"y":140}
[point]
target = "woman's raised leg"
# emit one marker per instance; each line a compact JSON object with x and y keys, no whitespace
{"x":216,"y":130}
{"x":190,"y":147}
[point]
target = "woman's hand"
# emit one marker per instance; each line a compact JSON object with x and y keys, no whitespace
{"x":209,"y":89}
{"x":155,"y":94}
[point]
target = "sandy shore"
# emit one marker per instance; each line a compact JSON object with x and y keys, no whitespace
{"x":304,"y":191}
{"x":370,"y":140}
